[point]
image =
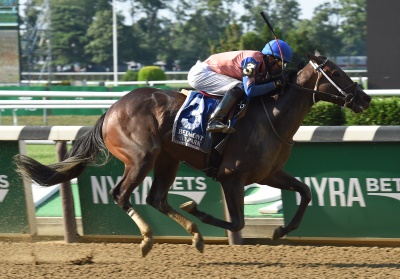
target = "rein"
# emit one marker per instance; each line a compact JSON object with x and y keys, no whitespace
{"x":273,"y":127}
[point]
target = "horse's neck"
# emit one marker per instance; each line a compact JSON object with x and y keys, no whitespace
{"x":292,"y":107}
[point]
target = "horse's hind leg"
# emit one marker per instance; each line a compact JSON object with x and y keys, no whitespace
{"x":121,"y":193}
{"x":165,"y":170}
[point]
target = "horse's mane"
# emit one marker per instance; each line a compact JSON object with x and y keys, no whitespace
{"x":294,"y":68}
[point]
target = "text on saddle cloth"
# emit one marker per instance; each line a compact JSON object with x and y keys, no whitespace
{"x":190,"y":123}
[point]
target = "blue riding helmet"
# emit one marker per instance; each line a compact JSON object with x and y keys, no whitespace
{"x":272,"y":48}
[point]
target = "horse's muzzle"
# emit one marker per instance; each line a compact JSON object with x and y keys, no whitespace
{"x":361,"y":101}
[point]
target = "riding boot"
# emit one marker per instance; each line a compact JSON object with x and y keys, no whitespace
{"x":215,"y":124}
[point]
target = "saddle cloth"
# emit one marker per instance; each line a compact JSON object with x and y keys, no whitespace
{"x":190,"y":123}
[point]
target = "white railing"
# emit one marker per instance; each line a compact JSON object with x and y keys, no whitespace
{"x":26,"y":103}
{"x":54,"y":104}
{"x":383,"y":92}
{"x":167,"y":73}
{"x":73,"y":94}
{"x":109,"y":83}
{"x":81,"y":94}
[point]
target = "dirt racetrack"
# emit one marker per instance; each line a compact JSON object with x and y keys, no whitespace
{"x":56,"y":259}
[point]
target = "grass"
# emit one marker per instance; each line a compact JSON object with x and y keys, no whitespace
{"x":52,"y":120}
{"x":43,"y":153}
{"x":46,"y":153}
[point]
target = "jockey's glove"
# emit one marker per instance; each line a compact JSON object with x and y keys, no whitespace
{"x":278,"y":84}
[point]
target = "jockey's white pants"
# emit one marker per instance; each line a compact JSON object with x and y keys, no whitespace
{"x":202,"y":78}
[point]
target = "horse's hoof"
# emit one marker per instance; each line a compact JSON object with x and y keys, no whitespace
{"x":146,"y":246}
{"x":189,"y":206}
{"x":198,"y":242}
{"x":278,"y":233}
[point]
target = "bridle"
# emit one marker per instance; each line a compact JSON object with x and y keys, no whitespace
{"x":347,"y":97}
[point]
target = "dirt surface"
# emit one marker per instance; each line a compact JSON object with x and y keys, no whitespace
{"x":121,"y":260}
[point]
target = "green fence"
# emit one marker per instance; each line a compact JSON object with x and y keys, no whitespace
{"x":355,"y":189}
{"x":13,"y":206}
{"x":101,"y":216}
{"x":355,"y":186}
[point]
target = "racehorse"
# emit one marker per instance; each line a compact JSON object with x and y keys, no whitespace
{"x":137,"y":130}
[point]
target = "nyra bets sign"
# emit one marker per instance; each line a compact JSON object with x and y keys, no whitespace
{"x":355,"y":189}
{"x":4,"y":184}
{"x":191,"y":187}
{"x":102,"y":216}
{"x":13,"y":209}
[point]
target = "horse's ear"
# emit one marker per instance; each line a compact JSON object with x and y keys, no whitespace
{"x":316,"y":53}
{"x":308,"y":55}
{"x":311,"y":57}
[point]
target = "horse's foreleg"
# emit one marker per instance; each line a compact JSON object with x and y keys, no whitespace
{"x":121,"y":194}
{"x":284,"y":181}
{"x":165,"y":170}
{"x":234,"y":197}
{"x":188,"y":225}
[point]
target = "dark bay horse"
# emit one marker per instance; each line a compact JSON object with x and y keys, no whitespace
{"x":137,"y":130}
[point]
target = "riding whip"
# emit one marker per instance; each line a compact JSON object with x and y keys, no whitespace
{"x":273,"y":33}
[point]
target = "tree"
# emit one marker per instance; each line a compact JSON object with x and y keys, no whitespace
{"x":147,"y":29}
{"x":68,"y":23}
{"x":100,"y":38}
{"x":339,"y":27}
{"x":284,"y":15}
{"x":252,"y":41}
{"x":192,"y":30}
{"x":251,"y":20}
{"x":354,"y":26}
{"x":323,"y":30}
{"x":230,"y":40}
{"x":203,"y":29}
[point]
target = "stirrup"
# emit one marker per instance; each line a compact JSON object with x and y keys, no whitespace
{"x":220,"y":127}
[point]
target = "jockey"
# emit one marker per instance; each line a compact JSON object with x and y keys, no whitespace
{"x":235,"y":73}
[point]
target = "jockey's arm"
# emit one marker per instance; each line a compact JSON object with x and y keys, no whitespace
{"x":249,"y":69}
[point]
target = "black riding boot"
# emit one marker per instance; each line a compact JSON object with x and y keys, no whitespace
{"x":215,"y":124}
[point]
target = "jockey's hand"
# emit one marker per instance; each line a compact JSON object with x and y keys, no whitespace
{"x":285,"y":79}
{"x":278,"y":84}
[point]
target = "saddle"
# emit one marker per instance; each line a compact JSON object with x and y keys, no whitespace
{"x":219,"y":140}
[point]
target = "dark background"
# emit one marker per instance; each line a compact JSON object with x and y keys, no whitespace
{"x":383,"y":44}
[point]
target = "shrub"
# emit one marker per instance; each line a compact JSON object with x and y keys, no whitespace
{"x":326,"y":114}
{"x":130,"y":76}
{"x":381,"y":111}
{"x":151,"y":73}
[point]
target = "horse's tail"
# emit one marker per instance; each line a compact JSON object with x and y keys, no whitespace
{"x":83,"y":153}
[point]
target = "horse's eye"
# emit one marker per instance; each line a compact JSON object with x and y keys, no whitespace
{"x":335,"y":73}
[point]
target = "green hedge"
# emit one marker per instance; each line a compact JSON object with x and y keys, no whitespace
{"x":382,"y":111}
{"x":325,"y":114}
{"x":130,"y":76}
{"x":151,"y":73}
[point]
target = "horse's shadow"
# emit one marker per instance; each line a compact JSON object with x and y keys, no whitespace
{"x":307,"y":265}
{"x":232,"y":264}
{"x":358,"y":265}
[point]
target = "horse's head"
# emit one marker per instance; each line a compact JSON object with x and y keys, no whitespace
{"x":332,"y":84}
